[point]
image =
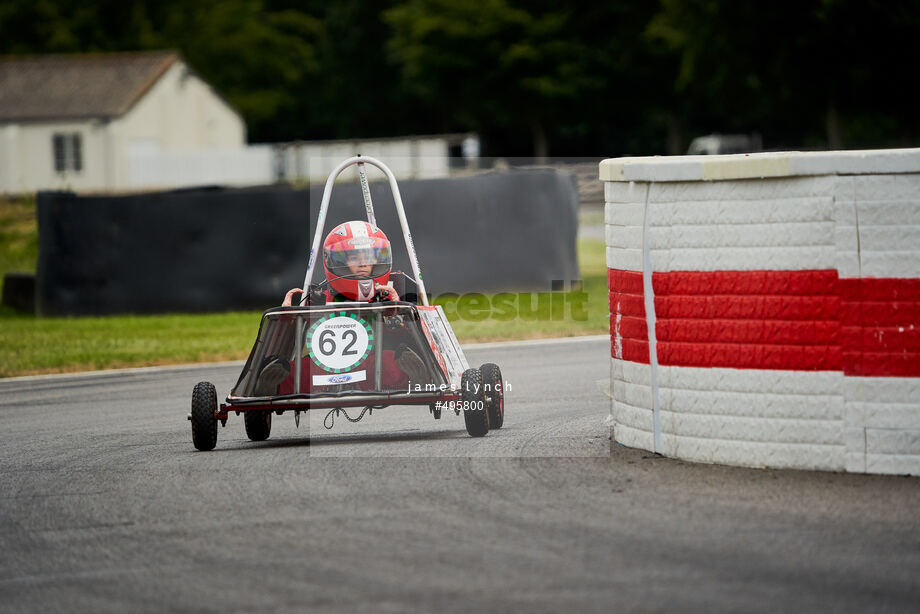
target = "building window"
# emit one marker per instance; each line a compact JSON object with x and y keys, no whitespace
{"x":68,"y":152}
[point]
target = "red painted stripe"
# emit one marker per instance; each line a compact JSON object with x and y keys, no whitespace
{"x":635,"y":351}
{"x":739,"y":283}
{"x":629,"y":331}
{"x":730,"y":307}
{"x":751,"y":356}
{"x":631,"y":304}
{"x":628,"y":282}
{"x":886,"y":290}
{"x":880,"y":313}
{"x":881,"y":326}
{"x":791,"y":320}
{"x":632,"y":328}
{"x":779,"y":332}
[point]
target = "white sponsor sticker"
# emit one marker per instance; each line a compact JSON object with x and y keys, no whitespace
{"x":339,"y":378}
{"x":445,"y":342}
{"x":358,"y":229}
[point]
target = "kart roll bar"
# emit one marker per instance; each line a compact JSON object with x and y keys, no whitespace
{"x":324,"y":207}
{"x":366,"y":192}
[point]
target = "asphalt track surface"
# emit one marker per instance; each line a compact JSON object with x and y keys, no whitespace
{"x":106,"y":507}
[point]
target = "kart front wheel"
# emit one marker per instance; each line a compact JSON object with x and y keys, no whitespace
{"x":258,"y":424}
{"x":494,"y":394}
{"x":472,"y":402}
{"x":204,"y":416}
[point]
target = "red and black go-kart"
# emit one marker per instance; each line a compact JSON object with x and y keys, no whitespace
{"x":343,"y":355}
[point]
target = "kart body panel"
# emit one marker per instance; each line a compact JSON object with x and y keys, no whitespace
{"x":345,"y":355}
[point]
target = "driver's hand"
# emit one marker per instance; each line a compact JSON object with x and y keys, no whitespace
{"x":386,"y":292}
{"x":289,"y":297}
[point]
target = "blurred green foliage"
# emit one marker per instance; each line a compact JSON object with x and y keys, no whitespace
{"x":532,"y":77}
{"x":18,"y":236}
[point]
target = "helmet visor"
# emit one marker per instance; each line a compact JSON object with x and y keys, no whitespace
{"x":358,"y":258}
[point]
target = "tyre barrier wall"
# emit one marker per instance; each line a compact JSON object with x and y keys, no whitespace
{"x":765,"y":308}
{"x":215,"y":249}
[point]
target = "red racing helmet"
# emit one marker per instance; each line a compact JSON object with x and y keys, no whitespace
{"x":356,"y":257}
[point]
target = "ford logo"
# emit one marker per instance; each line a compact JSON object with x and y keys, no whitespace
{"x":339,"y":379}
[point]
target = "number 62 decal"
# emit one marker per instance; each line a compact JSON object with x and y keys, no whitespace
{"x":339,"y":342}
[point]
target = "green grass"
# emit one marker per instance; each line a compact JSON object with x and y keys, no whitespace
{"x":31,"y":345}
{"x":551,"y":316}
{"x":18,"y":237}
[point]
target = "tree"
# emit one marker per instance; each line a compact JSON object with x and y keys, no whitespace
{"x":260,"y":60}
{"x":490,"y":63}
{"x":799,"y":70}
{"x":580,"y":78}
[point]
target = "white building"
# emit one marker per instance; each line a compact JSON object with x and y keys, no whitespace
{"x":88,"y":122}
{"x":409,"y":157}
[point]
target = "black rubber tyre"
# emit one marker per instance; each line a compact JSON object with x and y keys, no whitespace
{"x":258,"y":424}
{"x":472,"y":401}
{"x":494,"y":394}
{"x":204,"y":416}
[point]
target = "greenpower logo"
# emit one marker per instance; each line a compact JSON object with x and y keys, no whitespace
{"x":339,"y":341}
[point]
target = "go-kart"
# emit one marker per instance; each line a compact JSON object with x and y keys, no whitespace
{"x":353,"y":355}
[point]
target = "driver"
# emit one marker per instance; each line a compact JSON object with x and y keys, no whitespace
{"x":357,"y":260}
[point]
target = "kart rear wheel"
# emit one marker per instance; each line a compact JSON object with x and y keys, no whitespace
{"x":258,"y":424}
{"x":494,"y":394}
{"x":472,"y":402}
{"x":204,"y":416}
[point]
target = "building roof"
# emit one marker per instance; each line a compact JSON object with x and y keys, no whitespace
{"x":53,"y":87}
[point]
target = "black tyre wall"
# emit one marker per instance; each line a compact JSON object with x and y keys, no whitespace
{"x":218,"y":249}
